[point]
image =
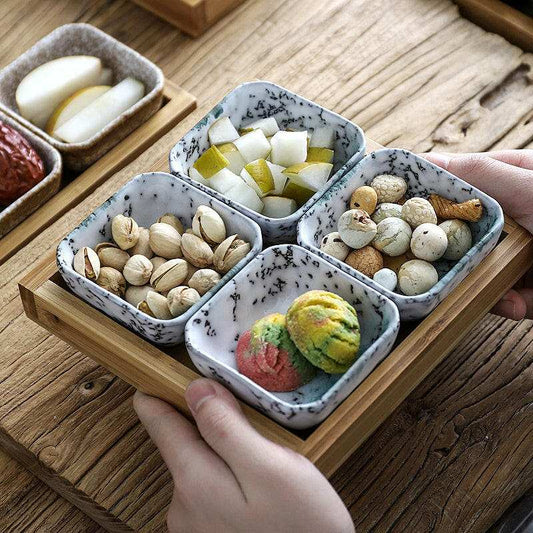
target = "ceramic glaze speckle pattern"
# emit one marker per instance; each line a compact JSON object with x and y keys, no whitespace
{"x":423,"y":179}
{"x":146,"y":198}
{"x":269,"y":284}
{"x":261,"y":99}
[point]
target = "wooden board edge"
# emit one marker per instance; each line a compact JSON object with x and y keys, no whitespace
{"x":180,"y":103}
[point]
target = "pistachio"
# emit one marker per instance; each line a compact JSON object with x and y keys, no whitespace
{"x":191,"y":269}
{"x":125,"y":231}
{"x":196,"y":251}
{"x":142,"y":247}
{"x":181,"y":298}
{"x":112,"y":280}
{"x":203,"y":280}
{"x":157,"y":262}
{"x":87,"y":263}
{"x":171,"y":220}
{"x":229,"y":253}
{"x":138,"y":270}
{"x":135,"y":295}
{"x":111,"y":255}
{"x":165,"y":240}
{"x":155,"y":305}
{"x":169,"y":275}
{"x":208,"y":225}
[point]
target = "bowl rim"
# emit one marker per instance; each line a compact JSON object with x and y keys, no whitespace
{"x":443,"y":282}
{"x":303,"y":208}
{"x":109,"y":128}
{"x":321,"y":403}
{"x":183,"y":318}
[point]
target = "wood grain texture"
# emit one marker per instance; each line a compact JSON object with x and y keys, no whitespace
{"x":413,"y":74}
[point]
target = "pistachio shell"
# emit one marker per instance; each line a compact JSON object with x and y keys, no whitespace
{"x":125,"y":231}
{"x":157,"y":262}
{"x":181,"y":298}
{"x":142,"y":247}
{"x":229,"y":253}
{"x":112,"y":280}
{"x":87,"y":263}
{"x":208,"y":225}
{"x":135,"y":295}
{"x":169,"y":275}
{"x":165,"y":241}
{"x":155,"y":305}
{"x":196,"y":251}
{"x":111,"y":255}
{"x":191,"y":269}
{"x":171,"y":220}
{"x":204,"y":280}
{"x":138,"y":270}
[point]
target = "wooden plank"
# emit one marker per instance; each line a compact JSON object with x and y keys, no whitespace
{"x":178,"y":103}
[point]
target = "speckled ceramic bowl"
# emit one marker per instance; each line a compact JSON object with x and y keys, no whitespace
{"x":84,"y":39}
{"x":146,"y":198}
{"x":269,"y":284}
{"x":261,"y":99}
{"x":24,"y":206}
{"x":423,"y":179}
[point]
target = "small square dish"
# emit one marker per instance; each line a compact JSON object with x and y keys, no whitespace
{"x":269,"y":284}
{"x":259,"y":100}
{"x":38,"y":195}
{"x":84,"y":39}
{"x":423,"y":178}
{"x":146,"y":198}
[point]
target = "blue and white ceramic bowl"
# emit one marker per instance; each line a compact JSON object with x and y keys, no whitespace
{"x":423,"y":179}
{"x":145,"y":198}
{"x":269,"y":284}
{"x":260,"y":99}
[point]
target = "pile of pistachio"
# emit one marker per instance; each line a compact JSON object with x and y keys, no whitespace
{"x":163,"y":270}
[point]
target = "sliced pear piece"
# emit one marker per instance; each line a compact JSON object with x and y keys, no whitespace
{"x":280,"y":179}
{"x":97,"y":115}
{"x":253,"y":145}
{"x":73,"y":105}
{"x":244,"y":131}
{"x":46,"y":86}
{"x":289,"y":147}
{"x":320,"y":155}
{"x":224,"y":180}
{"x":222,"y":131}
{"x":314,"y":174}
{"x":196,"y":176}
{"x":210,"y":162}
{"x":245,"y":176}
{"x":323,"y":137}
{"x":268,"y":126}
{"x":236,"y":161}
{"x":246,"y":196}
{"x":279,"y":207}
{"x":260,"y":172}
{"x":299,"y":190}
{"x":106,"y":77}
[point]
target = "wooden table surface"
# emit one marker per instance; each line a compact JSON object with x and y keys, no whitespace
{"x":413,"y":74}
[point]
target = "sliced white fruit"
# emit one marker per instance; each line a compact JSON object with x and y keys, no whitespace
{"x":73,"y":105}
{"x":320,"y":155}
{"x":280,"y":179}
{"x":245,"y":176}
{"x":93,"y":118}
{"x":314,"y":174}
{"x":299,"y":190}
{"x":236,"y":161}
{"x":224,"y":180}
{"x":196,"y":176}
{"x":222,"y":131}
{"x":323,"y":137}
{"x":261,"y":174}
{"x":45,"y":87}
{"x":210,"y":162}
{"x":279,"y":207}
{"x":253,"y":145}
{"x":246,"y":196}
{"x":268,"y":126}
{"x":106,"y":77}
{"x":289,"y":147}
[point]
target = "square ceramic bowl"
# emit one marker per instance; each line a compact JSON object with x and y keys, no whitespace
{"x":423,"y":179}
{"x":84,"y":39}
{"x":260,"y":99}
{"x":38,"y":195}
{"x":269,"y":284}
{"x":145,"y":198}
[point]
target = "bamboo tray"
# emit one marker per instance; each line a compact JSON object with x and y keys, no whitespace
{"x":193,"y":17}
{"x":177,"y":104}
{"x":166,"y":373}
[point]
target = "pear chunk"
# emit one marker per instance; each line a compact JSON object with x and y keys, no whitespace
{"x":253,"y":145}
{"x":236,"y":161}
{"x":268,"y":126}
{"x":224,"y":180}
{"x":323,"y":137}
{"x":261,"y":175}
{"x":246,"y":196}
{"x":320,"y":155}
{"x":299,"y":190}
{"x":279,"y":178}
{"x":314,"y":174}
{"x":97,"y":115}
{"x":210,"y":162}
{"x":279,"y":207}
{"x":289,"y":148}
{"x":45,"y":87}
{"x":196,"y":176}
{"x":222,"y":131}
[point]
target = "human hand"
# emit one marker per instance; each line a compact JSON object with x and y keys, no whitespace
{"x":229,"y":478}
{"x":507,"y":176}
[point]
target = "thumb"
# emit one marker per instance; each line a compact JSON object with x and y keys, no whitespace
{"x":224,"y":427}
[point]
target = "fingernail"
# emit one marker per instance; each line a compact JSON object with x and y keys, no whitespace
{"x":439,"y":159}
{"x":198,"y":392}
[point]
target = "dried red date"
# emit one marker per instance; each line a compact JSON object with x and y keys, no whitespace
{"x":21,"y":168}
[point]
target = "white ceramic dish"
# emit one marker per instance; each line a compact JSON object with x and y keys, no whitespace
{"x":145,"y":198}
{"x":260,"y":99}
{"x":268,"y":284}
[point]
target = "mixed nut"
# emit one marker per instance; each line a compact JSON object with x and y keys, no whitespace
{"x":163,"y":270}
{"x":395,"y":240}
